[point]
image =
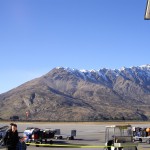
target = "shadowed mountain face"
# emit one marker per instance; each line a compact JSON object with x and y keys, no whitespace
{"x":75,"y":95}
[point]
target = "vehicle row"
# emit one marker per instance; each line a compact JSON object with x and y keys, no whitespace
{"x":37,"y":135}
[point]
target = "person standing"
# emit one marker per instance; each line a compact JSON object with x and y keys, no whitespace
{"x":11,"y":139}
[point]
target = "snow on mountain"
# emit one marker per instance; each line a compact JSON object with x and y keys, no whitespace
{"x":82,"y":95}
{"x":132,"y":73}
{"x":145,"y":66}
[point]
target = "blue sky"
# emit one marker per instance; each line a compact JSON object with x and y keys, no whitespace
{"x":38,"y":35}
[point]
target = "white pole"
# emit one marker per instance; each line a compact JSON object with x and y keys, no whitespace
{"x":147,"y":12}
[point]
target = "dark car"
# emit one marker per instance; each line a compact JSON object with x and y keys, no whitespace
{"x":14,"y":118}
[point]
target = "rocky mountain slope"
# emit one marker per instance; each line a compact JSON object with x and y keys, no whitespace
{"x":65,"y":94}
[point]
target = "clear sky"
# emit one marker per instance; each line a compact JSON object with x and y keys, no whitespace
{"x":38,"y":35}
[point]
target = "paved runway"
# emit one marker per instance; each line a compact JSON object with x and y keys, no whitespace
{"x":88,"y":134}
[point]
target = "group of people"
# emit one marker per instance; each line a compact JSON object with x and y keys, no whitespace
{"x":12,"y":139}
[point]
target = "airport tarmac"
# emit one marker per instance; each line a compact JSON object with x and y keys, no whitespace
{"x":88,"y":134}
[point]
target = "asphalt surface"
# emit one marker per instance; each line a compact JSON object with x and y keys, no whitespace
{"x":88,"y":134}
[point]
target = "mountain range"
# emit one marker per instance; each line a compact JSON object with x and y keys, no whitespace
{"x":66,"y":94}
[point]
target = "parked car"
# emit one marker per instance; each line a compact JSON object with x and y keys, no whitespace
{"x":14,"y":118}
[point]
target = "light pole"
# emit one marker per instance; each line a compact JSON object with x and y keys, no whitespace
{"x":147,"y":11}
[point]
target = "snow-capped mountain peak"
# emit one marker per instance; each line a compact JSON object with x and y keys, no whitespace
{"x":138,"y":74}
